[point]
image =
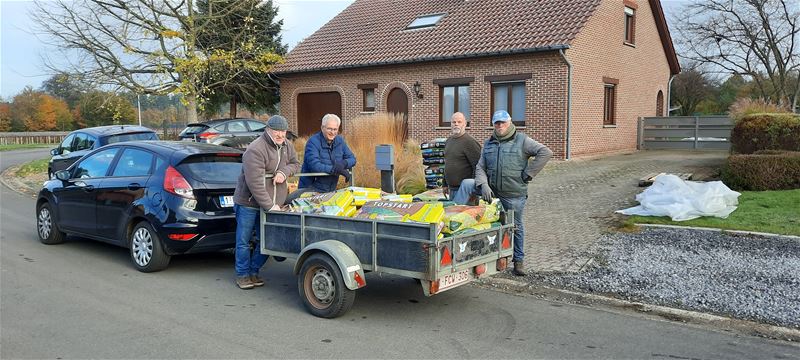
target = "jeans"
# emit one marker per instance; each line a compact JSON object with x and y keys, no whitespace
{"x":461,"y":195}
{"x":518,"y":205}
{"x":248,"y":260}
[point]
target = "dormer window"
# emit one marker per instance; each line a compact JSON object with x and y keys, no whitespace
{"x":424,"y":21}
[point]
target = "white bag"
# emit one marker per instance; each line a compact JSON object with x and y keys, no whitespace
{"x":684,"y":200}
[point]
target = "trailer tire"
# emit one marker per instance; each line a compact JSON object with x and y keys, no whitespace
{"x":322,"y":287}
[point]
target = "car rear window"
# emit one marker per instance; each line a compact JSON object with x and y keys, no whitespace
{"x":131,"y":137}
{"x":212,"y":168}
{"x":193,"y":129}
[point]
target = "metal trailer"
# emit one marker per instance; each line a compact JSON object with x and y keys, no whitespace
{"x":332,"y":253}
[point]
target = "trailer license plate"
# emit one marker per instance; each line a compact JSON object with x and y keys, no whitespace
{"x":455,"y":279}
{"x":226,"y":201}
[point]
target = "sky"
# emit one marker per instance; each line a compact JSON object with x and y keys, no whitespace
{"x":21,"y":50}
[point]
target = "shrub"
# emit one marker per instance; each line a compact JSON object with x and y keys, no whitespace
{"x":766,"y":132}
{"x":365,"y":132}
{"x":764,"y":170}
{"x":743,"y":107}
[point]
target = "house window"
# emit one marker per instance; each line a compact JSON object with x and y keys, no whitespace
{"x":425,"y":21}
{"x":453,"y":98}
{"x":510,"y":97}
{"x":660,"y":103}
{"x":630,"y":24}
{"x":610,"y":104}
{"x":368,"y":97}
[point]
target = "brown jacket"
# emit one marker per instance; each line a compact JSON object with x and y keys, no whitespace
{"x":263,"y":157}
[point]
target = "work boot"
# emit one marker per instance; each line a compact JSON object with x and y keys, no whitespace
{"x":519,"y":268}
{"x":244,"y":283}
{"x":256,"y":280}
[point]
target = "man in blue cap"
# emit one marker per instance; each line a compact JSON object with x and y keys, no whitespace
{"x":505,"y":169}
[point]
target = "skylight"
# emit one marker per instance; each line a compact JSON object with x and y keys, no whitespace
{"x":425,"y":21}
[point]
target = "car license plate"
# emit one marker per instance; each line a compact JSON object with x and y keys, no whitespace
{"x":455,"y":279}
{"x":226,"y":201}
{"x":187,"y":139}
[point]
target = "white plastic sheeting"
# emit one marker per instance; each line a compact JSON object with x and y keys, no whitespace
{"x":684,"y":200}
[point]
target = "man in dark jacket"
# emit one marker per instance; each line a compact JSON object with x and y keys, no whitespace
{"x":326,"y":152}
{"x":505,"y":170}
{"x":269,"y":154}
{"x":461,"y":154}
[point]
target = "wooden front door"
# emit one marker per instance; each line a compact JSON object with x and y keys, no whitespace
{"x":397,"y":103}
{"x":311,"y":107}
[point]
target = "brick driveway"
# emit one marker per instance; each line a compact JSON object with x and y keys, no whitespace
{"x":571,"y":203}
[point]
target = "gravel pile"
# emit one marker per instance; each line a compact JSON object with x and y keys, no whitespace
{"x":747,"y":277}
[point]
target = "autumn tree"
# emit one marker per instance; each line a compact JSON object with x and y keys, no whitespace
{"x":99,"y":108}
{"x":68,"y":87}
{"x":5,"y":116}
{"x":145,"y":46}
{"x":52,"y":114}
{"x":756,"y":39}
{"x":689,"y":89}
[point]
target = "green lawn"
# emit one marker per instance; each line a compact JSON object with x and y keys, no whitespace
{"x":761,"y":211}
{"x":10,"y":147}
{"x":33,"y":167}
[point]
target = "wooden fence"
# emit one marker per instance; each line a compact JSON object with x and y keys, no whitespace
{"x":43,"y":137}
{"x":685,"y":132}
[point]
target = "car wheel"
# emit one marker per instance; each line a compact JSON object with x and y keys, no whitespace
{"x":46,"y":226}
{"x":146,"y":249}
{"x":322,"y":287}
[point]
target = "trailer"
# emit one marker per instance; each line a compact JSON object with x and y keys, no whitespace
{"x":333,"y":253}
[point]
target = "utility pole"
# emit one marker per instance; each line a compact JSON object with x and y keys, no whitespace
{"x":139,"y":105}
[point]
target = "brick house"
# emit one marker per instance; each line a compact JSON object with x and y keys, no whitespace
{"x":575,"y":74}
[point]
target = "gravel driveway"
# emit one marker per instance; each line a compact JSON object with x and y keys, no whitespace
{"x":747,"y":277}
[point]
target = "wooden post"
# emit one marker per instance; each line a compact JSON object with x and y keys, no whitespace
{"x":696,"y":131}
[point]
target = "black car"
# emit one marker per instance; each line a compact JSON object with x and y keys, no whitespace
{"x":236,"y":133}
{"x":80,"y":142}
{"x":157,"y":198}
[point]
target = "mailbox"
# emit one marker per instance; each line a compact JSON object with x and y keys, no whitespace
{"x":384,"y":157}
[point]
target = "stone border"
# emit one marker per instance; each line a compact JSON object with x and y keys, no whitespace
{"x":10,"y":179}
{"x":738,"y":232}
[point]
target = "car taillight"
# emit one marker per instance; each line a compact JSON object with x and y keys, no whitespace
{"x":480,"y":269}
{"x":447,"y":259}
{"x":181,"y":237}
{"x":502,"y":263}
{"x":207,"y":135}
{"x":176,"y":184}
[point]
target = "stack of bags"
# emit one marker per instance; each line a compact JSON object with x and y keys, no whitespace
{"x":433,"y":159}
{"x":370,"y":203}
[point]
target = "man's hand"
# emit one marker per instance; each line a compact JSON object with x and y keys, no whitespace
{"x":279,"y":178}
{"x":486,"y":193}
{"x":347,"y":175}
{"x":338,"y":167}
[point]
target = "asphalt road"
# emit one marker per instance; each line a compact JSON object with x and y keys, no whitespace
{"x":83,"y":299}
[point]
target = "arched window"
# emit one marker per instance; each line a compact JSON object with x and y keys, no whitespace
{"x":660,"y":103}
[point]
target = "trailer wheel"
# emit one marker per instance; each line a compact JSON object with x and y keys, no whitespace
{"x":322,"y":287}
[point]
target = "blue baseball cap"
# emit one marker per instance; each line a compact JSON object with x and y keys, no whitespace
{"x":500,"y":116}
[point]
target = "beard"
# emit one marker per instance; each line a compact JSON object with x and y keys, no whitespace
{"x":457,"y":131}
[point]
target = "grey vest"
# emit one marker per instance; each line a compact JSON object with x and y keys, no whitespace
{"x":506,"y":163}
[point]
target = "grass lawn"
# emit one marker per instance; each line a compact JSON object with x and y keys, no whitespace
{"x":10,"y":147}
{"x":775,"y":212}
{"x":33,"y":167}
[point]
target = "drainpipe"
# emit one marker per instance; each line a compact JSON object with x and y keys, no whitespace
{"x":669,"y":95}
{"x":569,"y":101}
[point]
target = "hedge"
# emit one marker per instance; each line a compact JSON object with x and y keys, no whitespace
{"x":764,"y":170}
{"x":766,"y":132}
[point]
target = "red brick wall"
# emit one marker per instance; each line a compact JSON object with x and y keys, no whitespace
{"x":597,"y":52}
{"x":545,"y":94}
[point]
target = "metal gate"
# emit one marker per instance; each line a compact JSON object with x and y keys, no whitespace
{"x":685,"y":132}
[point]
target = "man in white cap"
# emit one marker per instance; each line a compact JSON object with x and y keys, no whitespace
{"x":270,"y":154}
{"x":507,"y":176}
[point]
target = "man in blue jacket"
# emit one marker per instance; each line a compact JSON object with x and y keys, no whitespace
{"x":326,"y":152}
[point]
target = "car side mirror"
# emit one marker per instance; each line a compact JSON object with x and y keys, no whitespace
{"x":55,"y":152}
{"x":62,"y":175}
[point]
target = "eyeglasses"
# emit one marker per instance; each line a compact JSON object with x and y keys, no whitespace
{"x":331,"y":129}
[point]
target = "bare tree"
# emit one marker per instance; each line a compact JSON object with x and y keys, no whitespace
{"x":145,"y":46}
{"x":689,"y":89}
{"x":752,"y":38}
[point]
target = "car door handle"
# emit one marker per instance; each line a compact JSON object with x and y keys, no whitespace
{"x":88,"y":188}
{"x":134,"y":186}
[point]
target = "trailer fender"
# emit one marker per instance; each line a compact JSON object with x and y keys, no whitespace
{"x":348,"y":262}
